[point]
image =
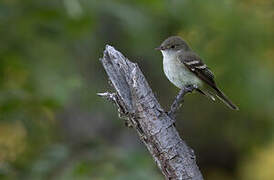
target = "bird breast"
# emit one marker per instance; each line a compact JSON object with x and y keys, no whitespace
{"x":177,"y":72}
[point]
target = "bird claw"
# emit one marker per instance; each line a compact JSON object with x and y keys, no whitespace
{"x":171,"y":115}
{"x":179,"y":99}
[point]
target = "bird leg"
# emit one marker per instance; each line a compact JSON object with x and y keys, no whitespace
{"x":179,"y":100}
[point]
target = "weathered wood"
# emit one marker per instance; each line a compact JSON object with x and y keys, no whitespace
{"x":136,"y":102}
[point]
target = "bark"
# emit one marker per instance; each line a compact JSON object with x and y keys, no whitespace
{"x":138,"y":105}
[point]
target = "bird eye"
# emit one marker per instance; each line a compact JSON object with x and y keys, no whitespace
{"x":173,"y":46}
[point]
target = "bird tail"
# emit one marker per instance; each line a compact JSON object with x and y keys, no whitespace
{"x":221,"y":96}
{"x":207,"y":94}
{"x":225,"y":99}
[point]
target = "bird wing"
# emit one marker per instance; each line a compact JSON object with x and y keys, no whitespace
{"x":194,"y":63}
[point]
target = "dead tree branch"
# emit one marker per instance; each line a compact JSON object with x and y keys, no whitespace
{"x":137,"y":103}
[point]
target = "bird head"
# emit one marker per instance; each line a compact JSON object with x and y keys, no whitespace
{"x":173,"y":43}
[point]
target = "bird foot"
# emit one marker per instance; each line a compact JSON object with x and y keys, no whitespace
{"x":179,"y":100}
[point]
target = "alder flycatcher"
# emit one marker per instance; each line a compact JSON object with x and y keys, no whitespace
{"x":184,"y":67}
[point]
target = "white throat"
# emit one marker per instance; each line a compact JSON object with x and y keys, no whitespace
{"x":169,"y":55}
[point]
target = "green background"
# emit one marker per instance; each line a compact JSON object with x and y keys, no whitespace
{"x":54,"y":126}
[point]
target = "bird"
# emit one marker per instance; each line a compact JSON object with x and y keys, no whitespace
{"x":183,"y":67}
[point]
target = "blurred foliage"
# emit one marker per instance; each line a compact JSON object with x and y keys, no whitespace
{"x":53,"y":126}
{"x":261,"y":161}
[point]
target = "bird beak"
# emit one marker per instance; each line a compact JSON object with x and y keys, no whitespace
{"x":159,"y":48}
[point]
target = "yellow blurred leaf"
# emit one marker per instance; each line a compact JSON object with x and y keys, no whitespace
{"x":12,"y":140}
{"x":259,"y":166}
